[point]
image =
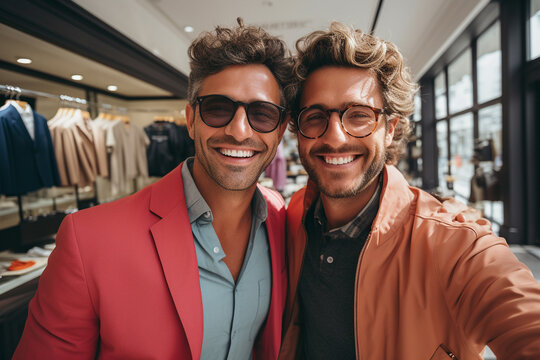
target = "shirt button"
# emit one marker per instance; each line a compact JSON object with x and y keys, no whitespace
{"x":330,"y":259}
{"x":206,"y":215}
{"x":216,"y":250}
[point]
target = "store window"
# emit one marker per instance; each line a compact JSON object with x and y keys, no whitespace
{"x":461,"y":150}
{"x":460,"y":83}
{"x":490,"y":130}
{"x":465,"y":120}
{"x":488,"y":62}
{"x":440,"y":96}
{"x":417,"y":117}
{"x":534,"y":29}
{"x":414,"y":159}
{"x":442,"y":152}
{"x":417,"y":108}
{"x":490,"y":127}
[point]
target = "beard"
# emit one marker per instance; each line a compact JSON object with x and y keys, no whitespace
{"x":228,"y":177}
{"x":334,"y":186}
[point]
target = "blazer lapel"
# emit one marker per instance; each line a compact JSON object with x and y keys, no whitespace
{"x":17,"y":124}
{"x":39,"y":132}
{"x":271,"y":335}
{"x":176,"y":249}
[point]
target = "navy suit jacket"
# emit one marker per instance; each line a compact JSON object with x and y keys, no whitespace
{"x":25,"y":164}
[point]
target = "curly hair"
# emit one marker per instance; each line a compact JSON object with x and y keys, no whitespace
{"x":213,"y":51}
{"x":344,"y":46}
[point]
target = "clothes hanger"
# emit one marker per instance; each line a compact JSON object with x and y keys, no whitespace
{"x":15,"y":97}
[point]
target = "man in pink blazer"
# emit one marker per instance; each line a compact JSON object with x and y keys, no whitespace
{"x":192,"y":266}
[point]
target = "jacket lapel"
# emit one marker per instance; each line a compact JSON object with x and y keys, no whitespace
{"x":39,"y":131}
{"x":176,"y":249}
{"x":271,"y":336}
{"x":393,"y":209}
{"x":17,"y":124}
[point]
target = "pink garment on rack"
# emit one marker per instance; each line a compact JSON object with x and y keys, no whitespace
{"x":277,"y":170}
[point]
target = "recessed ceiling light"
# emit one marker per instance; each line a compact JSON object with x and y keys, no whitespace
{"x":112,"y":87}
{"x":77,"y":77}
{"x":24,"y":61}
{"x":188,"y":29}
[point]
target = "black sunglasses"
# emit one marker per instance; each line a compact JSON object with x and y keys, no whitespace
{"x":218,"y":110}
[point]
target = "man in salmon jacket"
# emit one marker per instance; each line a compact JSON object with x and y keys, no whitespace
{"x":379,"y":269}
{"x":191,"y":267}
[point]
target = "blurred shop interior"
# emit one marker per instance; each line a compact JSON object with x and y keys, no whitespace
{"x":115,"y":74}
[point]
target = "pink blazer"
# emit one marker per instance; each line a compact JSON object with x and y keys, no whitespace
{"x":123,"y":283}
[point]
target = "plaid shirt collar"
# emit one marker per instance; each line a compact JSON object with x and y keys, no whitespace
{"x":356,"y":226}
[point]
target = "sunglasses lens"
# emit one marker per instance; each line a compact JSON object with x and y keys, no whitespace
{"x":263,"y":116}
{"x":217,"y":110}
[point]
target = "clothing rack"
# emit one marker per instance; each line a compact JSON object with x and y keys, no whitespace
{"x":31,"y":231}
{"x":15,"y":91}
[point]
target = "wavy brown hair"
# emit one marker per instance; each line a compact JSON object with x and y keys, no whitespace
{"x":344,"y":46}
{"x":213,"y":51}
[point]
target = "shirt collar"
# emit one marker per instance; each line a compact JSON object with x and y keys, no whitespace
{"x":361,"y":221}
{"x":20,"y":110}
{"x":198,"y":208}
{"x":195,"y":203}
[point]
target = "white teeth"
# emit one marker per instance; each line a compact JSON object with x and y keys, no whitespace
{"x":237,"y":153}
{"x":338,"y":160}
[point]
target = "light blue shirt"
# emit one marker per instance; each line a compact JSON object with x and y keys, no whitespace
{"x":233,"y":311}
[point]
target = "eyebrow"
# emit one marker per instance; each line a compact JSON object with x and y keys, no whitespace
{"x":342,"y":106}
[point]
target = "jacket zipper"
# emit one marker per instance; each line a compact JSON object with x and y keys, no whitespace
{"x":449,"y":353}
{"x":355,"y":291}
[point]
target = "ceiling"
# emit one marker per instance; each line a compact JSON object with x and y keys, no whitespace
{"x":422,"y":29}
{"x":53,"y":60}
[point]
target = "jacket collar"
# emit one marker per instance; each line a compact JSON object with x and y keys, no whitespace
{"x":176,"y":250}
{"x":84,"y":126}
{"x":17,"y":124}
{"x":394,"y":205}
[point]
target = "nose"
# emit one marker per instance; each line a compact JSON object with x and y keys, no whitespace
{"x":335,"y":133}
{"x":239,"y":127}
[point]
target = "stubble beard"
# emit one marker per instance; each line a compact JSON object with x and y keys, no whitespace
{"x":361,"y":183}
{"x":237,"y":178}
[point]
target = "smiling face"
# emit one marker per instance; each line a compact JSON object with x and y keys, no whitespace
{"x":343,"y":166}
{"x":235,"y":155}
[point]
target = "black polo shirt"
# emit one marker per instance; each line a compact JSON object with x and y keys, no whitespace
{"x":326,"y":287}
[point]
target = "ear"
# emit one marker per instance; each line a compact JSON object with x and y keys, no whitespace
{"x":190,"y":119}
{"x":392,"y":123}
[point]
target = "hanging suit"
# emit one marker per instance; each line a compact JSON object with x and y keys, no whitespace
{"x":25,"y":164}
{"x":165,"y":150}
